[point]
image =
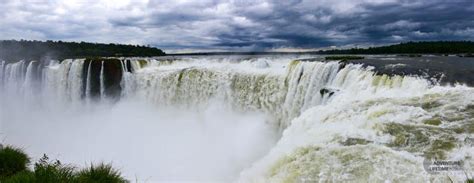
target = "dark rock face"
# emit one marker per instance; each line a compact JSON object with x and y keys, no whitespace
{"x":128,"y":65}
{"x":328,"y":91}
{"x":112,"y":76}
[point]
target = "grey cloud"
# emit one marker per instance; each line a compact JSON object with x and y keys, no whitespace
{"x":240,"y":25}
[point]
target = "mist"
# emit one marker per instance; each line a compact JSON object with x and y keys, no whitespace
{"x":144,"y":141}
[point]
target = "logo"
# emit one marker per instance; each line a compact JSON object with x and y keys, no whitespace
{"x":437,"y":166}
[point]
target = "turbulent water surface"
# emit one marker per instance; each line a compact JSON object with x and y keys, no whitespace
{"x":246,"y":119}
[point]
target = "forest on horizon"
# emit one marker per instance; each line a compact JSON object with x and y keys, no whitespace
{"x":13,"y":50}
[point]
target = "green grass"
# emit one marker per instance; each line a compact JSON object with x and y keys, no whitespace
{"x":53,"y":171}
{"x":99,"y":173}
{"x":21,"y":177}
{"x":12,"y":161}
{"x":344,"y":57}
{"x":14,"y":169}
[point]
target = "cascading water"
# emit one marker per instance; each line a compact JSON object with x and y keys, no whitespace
{"x":334,"y":121}
{"x":2,"y":66}
{"x":102,"y":83}
{"x":88,"y":81}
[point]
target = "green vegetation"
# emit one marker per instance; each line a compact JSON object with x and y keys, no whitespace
{"x":14,"y":169}
{"x":13,"y":50}
{"x":413,"y":48}
{"x":344,"y":57}
{"x":12,"y":161}
{"x":52,"y":171}
{"x":21,"y":177}
{"x":99,"y":173}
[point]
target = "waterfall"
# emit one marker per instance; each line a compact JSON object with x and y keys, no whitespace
{"x":88,"y":81}
{"x":282,"y":91}
{"x":28,"y":87}
{"x":283,"y":95}
{"x":2,"y":68}
{"x":102,"y":83}
{"x":126,"y":84}
{"x":123,"y":82}
{"x":336,"y":120}
{"x":14,"y":75}
{"x":75,"y":83}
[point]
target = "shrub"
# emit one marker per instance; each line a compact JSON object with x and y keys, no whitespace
{"x":53,"y":171}
{"x":100,"y":173}
{"x":21,"y":177}
{"x":14,"y":169}
{"x":12,"y":161}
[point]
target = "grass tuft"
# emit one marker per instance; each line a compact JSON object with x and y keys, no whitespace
{"x":12,"y":161}
{"x":100,"y":173}
{"x":14,"y":169}
{"x":53,"y":171}
{"x":21,"y":177}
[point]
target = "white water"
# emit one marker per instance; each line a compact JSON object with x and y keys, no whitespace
{"x":218,"y":118}
{"x":102,"y":84}
{"x":88,"y":82}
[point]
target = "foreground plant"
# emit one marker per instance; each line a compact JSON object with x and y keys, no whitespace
{"x":53,"y":171}
{"x":45,"y":171}
{"x":99,"y":173}
{"x":14,"y":169}
{"x":12,"y":161}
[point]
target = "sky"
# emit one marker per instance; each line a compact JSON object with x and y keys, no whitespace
{"x":239,"y":25}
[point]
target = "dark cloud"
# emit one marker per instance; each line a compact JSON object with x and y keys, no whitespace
{"x":245,"y":25}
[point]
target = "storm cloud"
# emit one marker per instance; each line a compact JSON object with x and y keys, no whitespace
{"x":232,"y":25}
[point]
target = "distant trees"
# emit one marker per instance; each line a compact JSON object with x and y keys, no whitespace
{"x":434,"y":47}
{"x":13,"y":50}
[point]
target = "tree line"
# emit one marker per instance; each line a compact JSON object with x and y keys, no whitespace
{"x":14,"y":50}
{"x":432,"y":47}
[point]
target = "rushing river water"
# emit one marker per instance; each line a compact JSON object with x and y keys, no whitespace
{"x":247,"y":119}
